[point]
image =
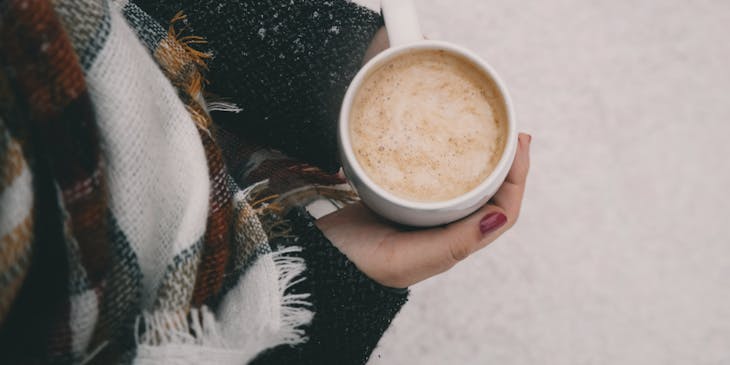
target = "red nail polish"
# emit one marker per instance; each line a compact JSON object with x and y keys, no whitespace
{"x":492,"y":222}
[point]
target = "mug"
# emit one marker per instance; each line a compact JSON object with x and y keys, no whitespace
{"x":404,"y":35}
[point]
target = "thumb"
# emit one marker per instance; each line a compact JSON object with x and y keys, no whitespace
{"x":474,"y":232}
{"x":425,"y":253}
{"x":493,"y":219}
{"x":422,"y":254}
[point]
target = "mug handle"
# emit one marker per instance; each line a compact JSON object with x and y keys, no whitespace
{"x":401,"y":21}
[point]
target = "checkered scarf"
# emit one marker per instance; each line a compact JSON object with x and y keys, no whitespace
{"x":121,"y":207}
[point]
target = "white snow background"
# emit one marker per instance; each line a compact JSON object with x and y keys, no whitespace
{"x":622,"y":253}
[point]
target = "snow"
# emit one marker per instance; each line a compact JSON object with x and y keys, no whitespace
{"x":621,"y":253}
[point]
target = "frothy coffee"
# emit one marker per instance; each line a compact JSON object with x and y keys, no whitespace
{"x":428,"y":126}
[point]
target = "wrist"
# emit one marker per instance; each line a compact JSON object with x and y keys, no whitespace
{"x":378,"y":44}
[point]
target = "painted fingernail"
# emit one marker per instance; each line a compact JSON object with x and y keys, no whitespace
{"x":491,"y":222}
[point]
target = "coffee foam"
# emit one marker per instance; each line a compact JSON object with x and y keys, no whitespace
{"x":428,"y":126}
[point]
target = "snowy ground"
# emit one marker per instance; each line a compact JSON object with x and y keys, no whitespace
{"x":622,"y":255}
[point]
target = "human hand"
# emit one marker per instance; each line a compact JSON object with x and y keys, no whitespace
{"x":378,"y":44}
{"x":398,"y":257}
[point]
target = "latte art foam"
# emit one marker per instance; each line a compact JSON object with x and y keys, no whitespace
{"x":428,"y":126}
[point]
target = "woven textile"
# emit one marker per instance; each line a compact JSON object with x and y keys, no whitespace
{"x":119,"y":209}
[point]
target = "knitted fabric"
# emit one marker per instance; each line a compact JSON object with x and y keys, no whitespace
{"x":285,"y":64}
{"x":350,"y":319}
{"x":132,"y":225}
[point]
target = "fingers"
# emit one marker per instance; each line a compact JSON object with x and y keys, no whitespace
{"x":428,"y":252}
{"x":518,"y":173}
{"x":425,"y":253}
{"x":474,"y":232}
{"x":489,"y":222}
{"x":509,"y":195}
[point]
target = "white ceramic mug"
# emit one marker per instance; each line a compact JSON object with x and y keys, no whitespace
{"x":405,"y":36}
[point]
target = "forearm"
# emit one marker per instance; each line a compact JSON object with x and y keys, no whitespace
{"x":351,"y":311}
{"x":378,"y":44}
{"x":286,"y":65}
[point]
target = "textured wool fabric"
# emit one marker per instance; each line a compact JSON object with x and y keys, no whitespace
{"x":286,"y":64}
{"x":130,"y":126}
{"x":47,"y":76}
{"x":350,"y":318}
{"x":16,"y":217}
{"x":134,"y":227}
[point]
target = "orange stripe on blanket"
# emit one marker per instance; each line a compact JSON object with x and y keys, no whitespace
{"x":12,"y":164}
{"x":15,"y":252}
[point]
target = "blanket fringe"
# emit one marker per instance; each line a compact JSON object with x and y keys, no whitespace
{"x":176,"y":327}
{"x":295,"y":310}
{"x":222,"y":106}
{"x":199,"y":326}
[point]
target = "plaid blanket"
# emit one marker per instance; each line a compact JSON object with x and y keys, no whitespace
{"x":140,"y":223}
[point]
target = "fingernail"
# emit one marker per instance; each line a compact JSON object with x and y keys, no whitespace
{"x":529,"y":138}
{"x":491,"y":222}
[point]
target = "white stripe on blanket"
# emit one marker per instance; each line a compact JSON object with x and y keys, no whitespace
{"x":158,"y":182}
{"x":83,"y":316}
{"x":156,"y":165}
{"x":16,"y":200}
{"x":255,"y":315}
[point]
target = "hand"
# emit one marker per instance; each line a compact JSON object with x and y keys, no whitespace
{"x":378,"y":44}
{"x":397,"y":257}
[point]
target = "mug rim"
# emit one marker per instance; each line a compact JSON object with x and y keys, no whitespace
{"x":475,"y":193}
